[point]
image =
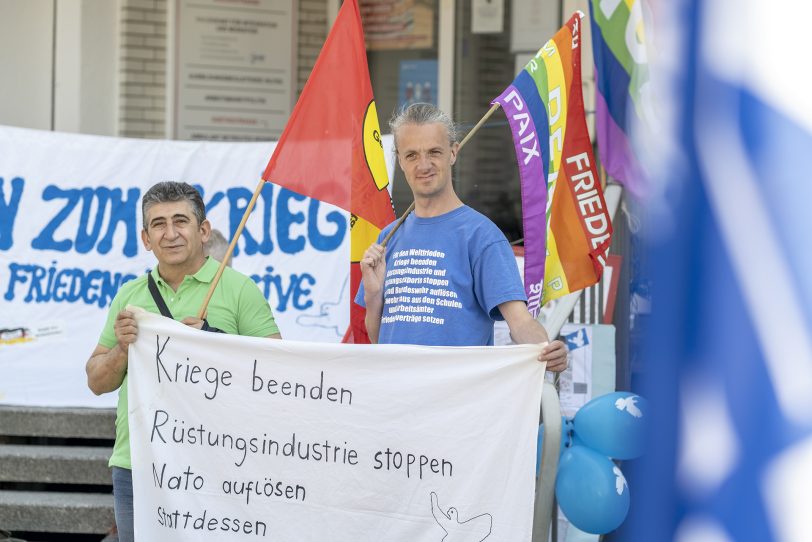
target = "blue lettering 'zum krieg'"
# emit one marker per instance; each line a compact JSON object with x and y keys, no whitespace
{"x":97,"y":287}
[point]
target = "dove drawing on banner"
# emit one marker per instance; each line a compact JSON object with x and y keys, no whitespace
{"x":475,"y":529}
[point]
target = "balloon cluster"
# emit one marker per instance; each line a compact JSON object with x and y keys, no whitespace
{"x":590,"y":488}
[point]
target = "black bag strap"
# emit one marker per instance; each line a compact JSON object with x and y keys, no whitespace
{"x":159,"y":301}
{"x":212,"y":329}
{"x":156,"y":296}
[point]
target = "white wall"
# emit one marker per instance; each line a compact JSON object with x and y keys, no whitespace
{"x":26,"y":47}
{"x":99,"y":66}
{"x":71,"y":91}
{"x":86,"y":88}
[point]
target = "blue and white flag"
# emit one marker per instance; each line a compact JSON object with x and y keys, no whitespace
{"x":728,"y":350}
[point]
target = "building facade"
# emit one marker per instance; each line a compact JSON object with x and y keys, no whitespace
{"x":233,"y":69}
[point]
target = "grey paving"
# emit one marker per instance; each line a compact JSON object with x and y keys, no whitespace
{"x":55,"y":464}
{"x":52,"y":512}
{"x":95,"y":423}
{"x":26,"y":457}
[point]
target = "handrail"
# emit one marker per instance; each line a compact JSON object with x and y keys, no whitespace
{"x":551,"y":407}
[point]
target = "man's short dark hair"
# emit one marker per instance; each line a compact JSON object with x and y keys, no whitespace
{"x":170,"y":191}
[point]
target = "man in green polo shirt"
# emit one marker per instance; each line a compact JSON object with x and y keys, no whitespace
{"x":175,"y":229}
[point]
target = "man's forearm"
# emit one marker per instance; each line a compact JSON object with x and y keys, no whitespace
{"x":374,"y":307}
{"x":524,"y":329}
{"x":529,"y":332}
{"x":106,"y":369}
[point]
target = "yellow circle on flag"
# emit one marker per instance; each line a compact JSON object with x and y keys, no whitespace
{"x":373,"y":147}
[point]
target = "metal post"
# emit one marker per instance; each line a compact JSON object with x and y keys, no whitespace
{"x":543,"y":513}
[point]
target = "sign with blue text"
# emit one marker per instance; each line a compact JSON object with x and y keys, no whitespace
{"x":286,"y":440}
{"x":70,"y":224}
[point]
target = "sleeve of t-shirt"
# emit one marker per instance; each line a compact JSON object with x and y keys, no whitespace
{"x":108,"y":335}
{"x":255,"y":318}
{"x":497,"y":279}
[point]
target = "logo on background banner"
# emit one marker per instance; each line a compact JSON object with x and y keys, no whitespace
{"x":578,"y":339}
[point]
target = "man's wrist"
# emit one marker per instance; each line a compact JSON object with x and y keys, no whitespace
{"x":122,"y":350}
{"x":120,"y":358}
{"x":373,"y":306}
{"x":372,"y":296}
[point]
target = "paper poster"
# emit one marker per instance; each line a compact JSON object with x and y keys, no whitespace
{"x":418,"y":82}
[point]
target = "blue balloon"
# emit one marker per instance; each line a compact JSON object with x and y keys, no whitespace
{"x":566,"y":437}
{"x":591,"y":491}
{"x":576,"y":440}
{"x":613,"y":424}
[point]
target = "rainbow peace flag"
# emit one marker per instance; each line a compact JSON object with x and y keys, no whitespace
{"x":621,"y":76}
{"x":567,"y":229}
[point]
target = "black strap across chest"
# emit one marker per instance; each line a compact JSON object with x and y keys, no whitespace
{"x":157,"y":297}
{"x":159,"y":301}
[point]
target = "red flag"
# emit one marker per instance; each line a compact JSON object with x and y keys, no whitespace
{"x":331,"y":149}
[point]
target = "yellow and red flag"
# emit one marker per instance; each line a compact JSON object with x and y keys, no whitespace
{"x":331,"y":148}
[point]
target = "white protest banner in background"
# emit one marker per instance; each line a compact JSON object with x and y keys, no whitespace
{"x":70,"y":222}
{"x":285,"y":440}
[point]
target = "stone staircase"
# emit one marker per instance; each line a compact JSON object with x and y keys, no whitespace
{"x":54,"y":478}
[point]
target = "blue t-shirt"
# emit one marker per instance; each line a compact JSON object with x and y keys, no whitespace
{"x":445,"y":277}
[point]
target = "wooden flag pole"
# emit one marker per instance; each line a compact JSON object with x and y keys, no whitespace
{"x":400,"y":221}
{"x":479,"y":124}
{"x":465,"y":140}
{"x":202,"y":312}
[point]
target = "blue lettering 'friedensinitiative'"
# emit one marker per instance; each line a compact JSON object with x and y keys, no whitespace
{"x":296,"y":291}
{"x":38,"y":284}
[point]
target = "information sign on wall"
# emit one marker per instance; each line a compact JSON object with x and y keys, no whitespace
{"x":233,"y":69}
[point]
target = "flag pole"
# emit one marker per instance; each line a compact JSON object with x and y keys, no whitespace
{"x":465,"y":140}
{"x":479,"y":124}
{"x":202,"y":312}
{"x":400,"y":221}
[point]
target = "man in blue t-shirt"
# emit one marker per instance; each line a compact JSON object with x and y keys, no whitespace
{"x":448,"y":272}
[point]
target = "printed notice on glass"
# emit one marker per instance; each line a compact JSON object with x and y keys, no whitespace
{"x":234,"y":66}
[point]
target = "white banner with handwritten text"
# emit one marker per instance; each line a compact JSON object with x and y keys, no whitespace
{"x":70,"y":224}
{"x":244,"y":438}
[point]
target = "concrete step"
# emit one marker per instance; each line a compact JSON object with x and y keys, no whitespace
{"x":51,"y":512}
{"x":55,"y":464}
{"x":88,"y":423}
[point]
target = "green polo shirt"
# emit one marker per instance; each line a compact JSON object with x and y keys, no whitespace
{"x":237,"y":307}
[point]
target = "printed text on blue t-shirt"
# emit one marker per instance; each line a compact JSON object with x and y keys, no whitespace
{"x":416,"y":283}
